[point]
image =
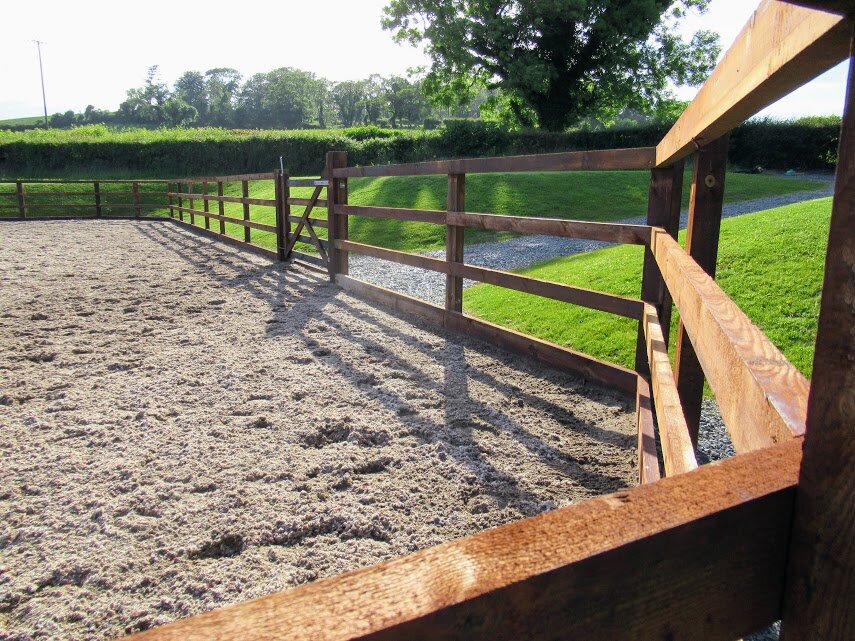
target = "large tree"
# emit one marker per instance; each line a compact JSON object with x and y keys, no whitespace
{"x":560,"y":60}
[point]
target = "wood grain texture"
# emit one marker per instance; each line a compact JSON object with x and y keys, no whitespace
{"x":695,"y":556}
{"x":648,"y":458}
{"x":702,"y":234}
{"x":762,"y":396}
{"x":782,"y":47}
{"x":608,"y":232}
{"x":417,"y":215}
{"x":678,"y":451}
{"x":663,"y":210}
{"x":613,"y":376}
{"x":637,"y":158}
{"x":820,"y":596}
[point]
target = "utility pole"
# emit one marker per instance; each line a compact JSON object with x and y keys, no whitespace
{"x":39,"y":44}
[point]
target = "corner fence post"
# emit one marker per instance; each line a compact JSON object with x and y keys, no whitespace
{"x":454,"y":242}
{"x":339,"y":262}
{"x":97,"y":186}
{"x":821,"y":564}
{"x":663,"y":210}
{"x":705,"y":204}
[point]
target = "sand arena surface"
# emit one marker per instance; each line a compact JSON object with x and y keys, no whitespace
{"x":184,"y":425}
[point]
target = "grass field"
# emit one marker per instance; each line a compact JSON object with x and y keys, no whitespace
{"x":15,"y":122}
{"x":594,"y":196}
{"x":770,"y":263}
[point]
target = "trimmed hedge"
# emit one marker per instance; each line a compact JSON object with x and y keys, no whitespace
{"x":810,"y":144}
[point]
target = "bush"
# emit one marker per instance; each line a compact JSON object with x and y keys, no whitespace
{"x":804,"y":144}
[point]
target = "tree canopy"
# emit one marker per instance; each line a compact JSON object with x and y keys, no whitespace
{"x":557,"y":61}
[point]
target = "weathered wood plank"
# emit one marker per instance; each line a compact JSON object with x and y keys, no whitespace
{"x":226,"y":179}
{"x":695,"y":556}
{"x":782,"y":47}
{"x":762,"y":396}
{"x":611,"y":303}
{"x":705,"y":207}
{"x":648,"y":458}
{"x":638,"y":158}
{"x":607,"y":232}
{"x":416,"y":215}
{"x":821,"y":576}
{"x":678,"y":451}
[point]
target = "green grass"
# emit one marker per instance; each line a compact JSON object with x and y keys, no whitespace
{"x":15,"y":122}
{"x":770,"y":263}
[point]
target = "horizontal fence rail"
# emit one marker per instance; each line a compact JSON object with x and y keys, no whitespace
{"x":22,"y":199}
{"x":637,"y":158}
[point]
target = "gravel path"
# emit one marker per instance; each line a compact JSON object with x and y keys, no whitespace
{"x":520,"y":252}
{"x":184,"y":425}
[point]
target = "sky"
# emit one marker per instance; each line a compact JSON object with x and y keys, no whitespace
{"x":96,"y":50}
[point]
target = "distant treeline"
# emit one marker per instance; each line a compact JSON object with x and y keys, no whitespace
{"x":804,"y":144}
{"x":284,"y":98}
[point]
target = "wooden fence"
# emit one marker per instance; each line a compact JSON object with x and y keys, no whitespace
{"x":287,"y":239}
{"x":43,"y":199}
{"x":709,"y":552}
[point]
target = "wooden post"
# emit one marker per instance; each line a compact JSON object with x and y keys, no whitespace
{"x":180,"y":203}
{"x":280,"y":214}
{"x":819,"y":598}
{"x":190,"y":191}
{"x":663,"y":210}
{"x":169,"y":190}
{"x":97,"y":186}
{"x":205,"y":205}
{"x":337,"y":223}
{"x":221,"y":207}
{"x":22,"y":205}
{"x":136,"y":189}
{"x":286,"y":212}
{"x":705,"y":203}
{"x":245,"y":190}
{"x":454,"y":242}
